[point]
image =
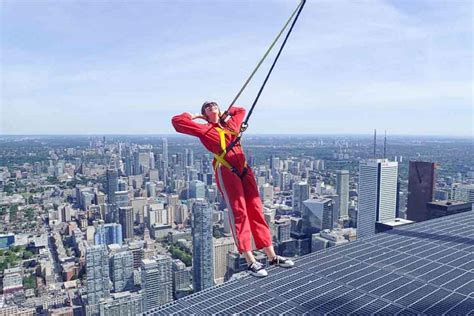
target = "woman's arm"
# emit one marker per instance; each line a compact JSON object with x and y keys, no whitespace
{"x":238,"y":115}
{"x":183,"y":123}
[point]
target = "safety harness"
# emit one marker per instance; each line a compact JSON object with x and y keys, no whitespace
{"x":220,"y":159}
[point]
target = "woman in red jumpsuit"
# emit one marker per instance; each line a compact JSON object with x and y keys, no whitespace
{"x":235,"y":181}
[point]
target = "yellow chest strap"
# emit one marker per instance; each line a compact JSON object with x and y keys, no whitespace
{"x":220,"y":158}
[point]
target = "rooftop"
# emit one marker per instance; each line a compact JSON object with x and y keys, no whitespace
{"x":449,"y":202}
{"x":425,"y":267}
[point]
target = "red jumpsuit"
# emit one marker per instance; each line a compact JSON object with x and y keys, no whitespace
{"x":241,"y":195}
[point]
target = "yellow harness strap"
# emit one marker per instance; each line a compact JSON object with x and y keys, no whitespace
{"x":220,"y":158}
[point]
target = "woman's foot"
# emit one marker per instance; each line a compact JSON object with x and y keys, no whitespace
{"x":281,"y":262}
{"x":257,"y":269}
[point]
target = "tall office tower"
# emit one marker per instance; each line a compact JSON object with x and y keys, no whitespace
{"x":421,"y":184}
{"x":201,"y":228}
{"x":128,"y":163}
{"x":197,"y":189}
{"x":189,"y":157}
{"x":173,"y":203}
{"x":112,"y":185}
{"x":342,"y":190}
{"x":274,"y":163}
{"x":136,"y":163}
{"x":285,"y":181}
{"x":226,"y":221}
{"x":317,"y":215}
{"x":126,"y":220}
{"x":121,"y":271}
{"x":165,"y":161}
{"x":108,"y":234}
{"x":122,"y":199}
{"x":157,"y":281}
{"x":97,"y":274}
{"x":300,"y":194}
{"x":222,"y":246}
{"x":266,"y":193}
{"x":377,"y":194}
{"x":151,"y":162}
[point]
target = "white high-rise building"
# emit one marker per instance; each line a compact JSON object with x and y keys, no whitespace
{"x":377,"y":194}
{"x":222,"y":246}
{"x":157,"y":281}
{"x":152,"y":160}
{"x":300,"y":194}
{"x":342,"y":190}
{"x":266,"y":193}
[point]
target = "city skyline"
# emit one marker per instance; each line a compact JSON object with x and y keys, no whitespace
{"x":95,"y":68}
{"x":103,"y":225}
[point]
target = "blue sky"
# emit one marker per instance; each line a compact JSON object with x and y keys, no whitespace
{"x":126,"y":67}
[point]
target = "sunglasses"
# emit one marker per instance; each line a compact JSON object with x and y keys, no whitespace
{"x":210,"y":105}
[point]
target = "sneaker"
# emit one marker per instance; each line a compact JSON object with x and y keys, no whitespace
{"x":282,"y":262}
{"x":257,"y":269}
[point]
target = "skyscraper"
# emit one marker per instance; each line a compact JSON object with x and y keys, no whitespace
{"x":97,"y":274}
{"x":107,"y":234}
{"x":342,"y":189}
{"x":152,"y":160}
{"x":266,"y":193}
{"x":122,"y":199}
{"x":121,"y":271}
{"x":126,"y":220}
{"x":300,"y":194}
{"x":377,"y":194}
{"x":128,"y":163}
{"x":136,"y":163}
{"x":421,"y":184}
{"x":197,"y":189}
{"x":274,"y":163}
{"x":157,"y":282}
{"x":189,"y":157}
{"x":112,"y":185}
{"x":317,"y":215}
{"x":165,"y":161}
{"x":203,"y":276}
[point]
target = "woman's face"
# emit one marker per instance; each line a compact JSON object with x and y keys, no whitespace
{"x":211,"y":108}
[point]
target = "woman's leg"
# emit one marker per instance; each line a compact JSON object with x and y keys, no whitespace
{"x":232,"y":190}
{"x":249,"y":258}
{"x":260,"y":229}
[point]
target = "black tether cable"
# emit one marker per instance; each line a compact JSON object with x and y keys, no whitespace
{"x":244,"y":124}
